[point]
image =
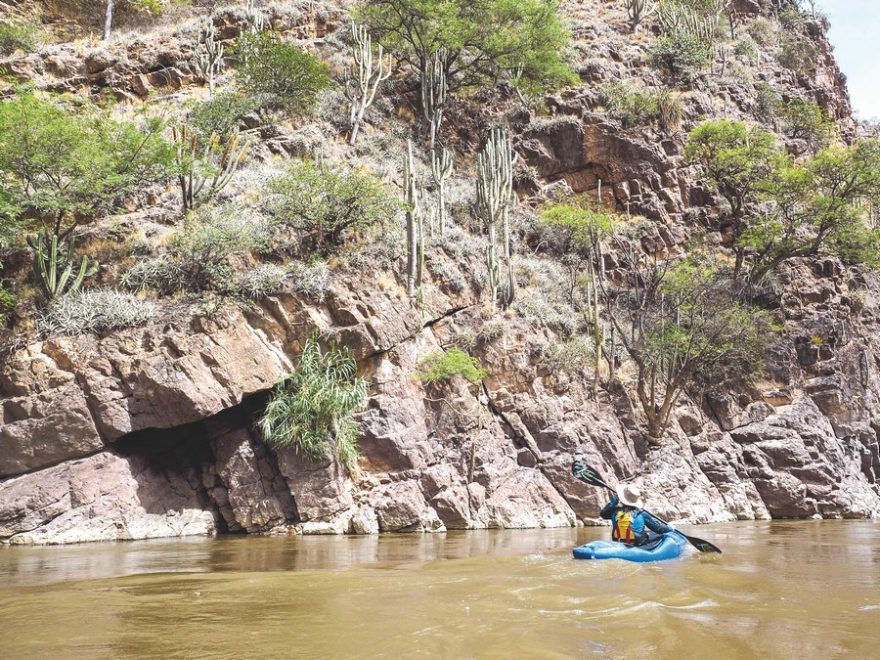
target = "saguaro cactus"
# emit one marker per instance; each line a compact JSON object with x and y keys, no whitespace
{"x":204,"y":172}
{"x":210,"y":56}
{"x":366,"y":74}
{"x":415,"y":253}
{"x":441,"y":170}
{"x":434,"y":92}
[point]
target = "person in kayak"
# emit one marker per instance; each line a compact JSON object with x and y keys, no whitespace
{"x":629,"y":523}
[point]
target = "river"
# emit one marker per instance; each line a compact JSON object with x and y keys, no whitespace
{"x":781,"y":590}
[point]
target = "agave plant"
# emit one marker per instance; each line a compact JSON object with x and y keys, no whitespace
{"x":312,"y":410}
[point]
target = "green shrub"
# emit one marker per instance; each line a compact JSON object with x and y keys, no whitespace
{"x":767,"y":102}
{"x":746,"y":47}
{"x":445,"y":365}
{"x":8,"y":300}
{"x":17,"y":36}
{"x":797,"y":52}
{"x":94,"y":310}
{"x":571,"y":356}
{"x":313,"y":409}
{"x":682,"y":54}
{"x":632,"y":108}
{"x":221,"y":115}
{"x":326,"y":205}
{"x":762,"y":30}
{"x":279,"y":75}
{"x":802,"y":120}
{"x":198,"y":257}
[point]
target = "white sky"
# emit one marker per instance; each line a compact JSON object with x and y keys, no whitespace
{"x":855,"y":32}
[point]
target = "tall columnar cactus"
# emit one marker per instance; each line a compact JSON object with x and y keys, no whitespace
{"x":203,"y":172}
{"x":441,"y":170}
{"x":210,"y":56}
{"x":363,"y":80}
{"x":255,"y":19}
{"x":495,"y":196}
{"x":639,"y":10}
{"x":415,"y":253}
{"x":435,"y":91}
{"x":699,"y":23}
{"x":53,"y":265}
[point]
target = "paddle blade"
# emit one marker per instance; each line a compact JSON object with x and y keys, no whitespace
{"x":587,"y":474}
{"x":702,"y":545}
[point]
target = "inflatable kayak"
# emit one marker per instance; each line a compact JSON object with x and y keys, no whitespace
{"x":669,"y":546}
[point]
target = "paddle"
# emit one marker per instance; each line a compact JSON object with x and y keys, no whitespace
{"x":590,"y":476}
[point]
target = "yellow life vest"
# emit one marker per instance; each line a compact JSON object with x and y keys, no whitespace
{"x":621,"y":528}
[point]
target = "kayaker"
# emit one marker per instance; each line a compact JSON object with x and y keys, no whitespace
{"x":629,"y":523}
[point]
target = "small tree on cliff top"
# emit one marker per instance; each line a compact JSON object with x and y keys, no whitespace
{"x":481,"y":39}
{"x":63,"y":167}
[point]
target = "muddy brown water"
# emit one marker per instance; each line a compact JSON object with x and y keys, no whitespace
{"x":781,"y":590}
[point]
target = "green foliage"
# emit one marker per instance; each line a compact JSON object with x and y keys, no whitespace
{"x":17,"y":36}
{"x":576,"y":225}
{"x":682,"y":54}
{"x":258,"y":282}
{"x":443,"y":366}
{"x":680,"y":323}
{"x":806,"y":121}
{"x":634,"y":108}
{"x":279,"y":75}
{"x":221,"y":115}
{"x":735,"y":159}
{"x":326,"y":205}
{"x":62,"y":167}
{"x":199,"y":256}
{"x":313,"y":409}
{"x":525,"y":39}
{"x":818,"y":206}
{"x":797,"y":51}
{"x":779,"y":208}
{"x":767,"y":102}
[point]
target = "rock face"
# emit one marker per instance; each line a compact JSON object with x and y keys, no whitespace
{"x":150,"y":431}
{"x":163,"y":443}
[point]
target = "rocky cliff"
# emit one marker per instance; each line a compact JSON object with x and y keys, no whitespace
{"x":149,"y":431}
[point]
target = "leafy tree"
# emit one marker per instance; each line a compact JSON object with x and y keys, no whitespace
{"x":278,"y":74}
{"x":481,"y":39}
{"x":326,"y":204}
{"x":680,"y":323}
{"x":818,"y":206}
{"x":802,"y":120}
{"x":60,"y":167}
{"x":313,"y":409}
{"x":221,"y":115}
{"x":735,"y":159}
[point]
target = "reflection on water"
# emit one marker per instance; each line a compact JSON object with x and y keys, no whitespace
{"x":782,"y":589}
